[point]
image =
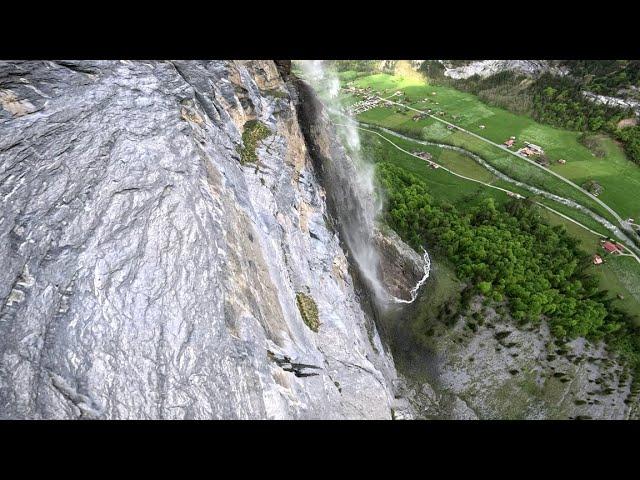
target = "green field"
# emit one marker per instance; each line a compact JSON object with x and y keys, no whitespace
{"x":441,"y":183}
{"x":466,"y":166}
{"x":619,"y":275}
{"x":432,"y":130}
{"x":619,"y":177}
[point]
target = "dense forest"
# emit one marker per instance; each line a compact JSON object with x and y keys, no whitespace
{"x":510,"y":255}
{"x":559,"y":100}
{"x":605,"y":77}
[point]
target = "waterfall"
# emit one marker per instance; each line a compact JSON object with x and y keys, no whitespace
{"x":353,"y":187}
{"x":414,"y":291}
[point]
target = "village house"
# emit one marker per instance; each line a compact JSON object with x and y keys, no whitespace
{"x":562,"y":161}
{"x":509,"y":143}
{"x":597,"y":260}
{"x":424,"y":155}
{"x":612,"y":248}
{"x":537,"y":150}
{"x":525,"y":152}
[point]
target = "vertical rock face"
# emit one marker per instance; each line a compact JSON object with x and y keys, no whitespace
{"x":149,"y":270}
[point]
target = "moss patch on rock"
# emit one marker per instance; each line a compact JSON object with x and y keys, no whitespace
{"x":308,"y":310}
{"x":254,"y":132}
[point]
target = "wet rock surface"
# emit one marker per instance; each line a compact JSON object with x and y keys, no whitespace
{"x":147,"y":273}
{"x":401,"y":267}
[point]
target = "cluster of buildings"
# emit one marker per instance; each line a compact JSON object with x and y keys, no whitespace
{"x":369,"y":102}
{"x":368,"y":96}
{"x":530,"y":149}
{"x":358,"y":91}
{"x":426,"y":156}
{"x":611,"y":248}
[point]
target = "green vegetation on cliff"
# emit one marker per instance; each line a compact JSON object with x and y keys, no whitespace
{"x":254,"y":132}
{"x":308,"y":310}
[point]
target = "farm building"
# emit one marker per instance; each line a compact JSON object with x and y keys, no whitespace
{"x":482,"y":127}
{"x":562,"y":161}
{"x":597,"y":260}
{"x":525,"y":152}
{"x":611,"y":247}
{"x":424,"y":155}
{"x":537,"y":150}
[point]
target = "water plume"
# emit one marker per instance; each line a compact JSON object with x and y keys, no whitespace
{"x":358,"y":199}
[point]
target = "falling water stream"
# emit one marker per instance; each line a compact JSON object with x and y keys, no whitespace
{"x":414,"y":291}
{"x":361,"y":204}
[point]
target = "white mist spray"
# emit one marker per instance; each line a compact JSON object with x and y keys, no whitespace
{"x":360,"y":231}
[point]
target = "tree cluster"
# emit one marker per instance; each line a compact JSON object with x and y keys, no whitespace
{"x":510,"y":254}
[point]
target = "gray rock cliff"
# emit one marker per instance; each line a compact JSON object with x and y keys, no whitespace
{"x":149,"y":271}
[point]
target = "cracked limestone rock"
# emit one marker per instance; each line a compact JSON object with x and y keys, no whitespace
{"x":146,"y":271}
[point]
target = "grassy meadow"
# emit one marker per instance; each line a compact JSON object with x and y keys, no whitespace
{"x":619,"y":177}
